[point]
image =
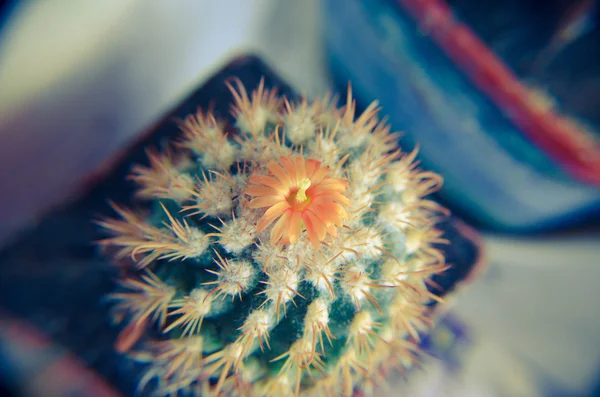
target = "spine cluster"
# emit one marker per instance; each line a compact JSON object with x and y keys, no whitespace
{"x":290,"y":253}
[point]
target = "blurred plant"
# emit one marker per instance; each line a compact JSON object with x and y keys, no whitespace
{"x":292,"y":256}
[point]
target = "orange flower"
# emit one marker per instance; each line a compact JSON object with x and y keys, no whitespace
{"x":299,"y":194}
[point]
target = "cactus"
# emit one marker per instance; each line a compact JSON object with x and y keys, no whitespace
{"x":288,"y":254}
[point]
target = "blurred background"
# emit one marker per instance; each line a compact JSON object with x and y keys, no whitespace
{"x":502,"y":95}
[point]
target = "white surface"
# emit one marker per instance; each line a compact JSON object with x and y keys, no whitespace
{"x":489,"y":370}
{"x":81,"y":78}
{"x":539,"y":301}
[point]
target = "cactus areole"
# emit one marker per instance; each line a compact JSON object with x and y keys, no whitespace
{"x":287,"y":254}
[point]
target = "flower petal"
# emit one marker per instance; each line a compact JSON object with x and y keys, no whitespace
{"x":265,"y":201}
{"x":319,"y":175}
{"x":329,"y":213}
{"x":271,"y":214}
{"x":311,"y":231}
{"x":300,"y":168}
{"x":260,"y":191}
{"x":277,"y":170}
{"x":268,"y":181}
{"x":278,"y":230}
{"x":340,"y":199}
{"x":290,"y":169}
{"x":332,"y":230}
{"x":294,"y":227}
{"x":318,"y":225}
{"x":311,"y":167}
{"x":335,"y":184}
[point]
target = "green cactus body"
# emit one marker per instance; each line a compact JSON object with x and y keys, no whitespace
{"x":288,"y":256}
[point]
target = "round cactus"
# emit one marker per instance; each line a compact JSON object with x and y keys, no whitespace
{"x":289,"y":254}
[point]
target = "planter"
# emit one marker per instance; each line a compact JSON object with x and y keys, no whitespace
{"x":53,"y":278}
{"x":511,"y":160}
